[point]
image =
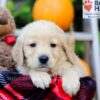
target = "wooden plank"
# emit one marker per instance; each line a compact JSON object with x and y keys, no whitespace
{"x":96,"y":53}
{"x":82,"y":36}
{"x":79,"y":36}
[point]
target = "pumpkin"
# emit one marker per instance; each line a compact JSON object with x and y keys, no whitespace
{"x":86,"y":66}
{"x":60,"y":12}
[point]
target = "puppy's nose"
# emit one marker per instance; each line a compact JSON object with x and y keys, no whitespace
{"x":43,"y":59}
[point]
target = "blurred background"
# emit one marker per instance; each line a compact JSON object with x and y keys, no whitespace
{"x":22,"y":12}
{"x":87,"y":45}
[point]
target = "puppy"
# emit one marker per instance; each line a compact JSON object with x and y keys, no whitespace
{"x":42,"y":51}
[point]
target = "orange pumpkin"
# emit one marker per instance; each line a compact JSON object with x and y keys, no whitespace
{"x":86,"y":66}
{"x":59,"y":11}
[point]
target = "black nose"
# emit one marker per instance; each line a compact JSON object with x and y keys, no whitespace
{"x":43,"y":59}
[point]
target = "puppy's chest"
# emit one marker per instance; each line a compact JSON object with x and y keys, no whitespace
{"x":56,"y":71}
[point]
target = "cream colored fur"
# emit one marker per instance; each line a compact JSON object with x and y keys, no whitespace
{"x":62,"y":60}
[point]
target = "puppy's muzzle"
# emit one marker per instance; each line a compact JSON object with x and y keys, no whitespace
{"x":43,"y":59}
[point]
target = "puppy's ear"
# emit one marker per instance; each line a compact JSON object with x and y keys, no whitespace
{"x":17,"y":51}
{"x":68,"y":51}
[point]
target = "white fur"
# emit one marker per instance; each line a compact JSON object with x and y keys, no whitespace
{"x":40,"y":79}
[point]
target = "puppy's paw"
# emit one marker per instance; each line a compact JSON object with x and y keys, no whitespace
{"x":40,"y":79}
{"x":71,"y":84}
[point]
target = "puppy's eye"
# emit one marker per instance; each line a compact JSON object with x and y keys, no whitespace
{"x":33,"y":45}
{"x":53,"y":45}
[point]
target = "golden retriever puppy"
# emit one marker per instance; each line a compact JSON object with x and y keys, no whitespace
{"x":42,"y":51}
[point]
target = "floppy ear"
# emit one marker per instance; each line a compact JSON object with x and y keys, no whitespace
{"x":17,"y":51}
{"x":69,"y":51}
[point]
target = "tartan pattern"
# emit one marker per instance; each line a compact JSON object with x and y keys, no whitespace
{"x":14,"y":86}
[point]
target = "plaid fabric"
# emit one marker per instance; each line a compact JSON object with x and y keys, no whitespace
{"x":14,"y":86}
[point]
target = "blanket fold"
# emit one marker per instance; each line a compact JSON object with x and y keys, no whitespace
{"x":15,"y":86}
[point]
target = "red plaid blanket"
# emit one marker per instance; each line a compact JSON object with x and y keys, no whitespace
{"x":14,"y":86}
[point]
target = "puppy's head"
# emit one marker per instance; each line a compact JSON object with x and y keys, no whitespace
{"x":41,"y":46}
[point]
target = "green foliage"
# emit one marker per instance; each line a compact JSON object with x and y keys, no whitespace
{"x":10,"y":5}
{"x":73,"y":0}
{"x":76,"y":0}
{"x":22,"y":13}
{"x":79,"y":48}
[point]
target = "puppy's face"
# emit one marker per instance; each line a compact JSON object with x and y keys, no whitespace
{"x":42,"y":50}
{"x":41,"y":46}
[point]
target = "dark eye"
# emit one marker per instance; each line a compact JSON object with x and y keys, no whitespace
{"x":33,"y":44}
{"x":53,"y":45}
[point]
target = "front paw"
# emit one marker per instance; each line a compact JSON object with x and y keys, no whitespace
{"x":71,"y":85}
{"x":40,"y":79}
